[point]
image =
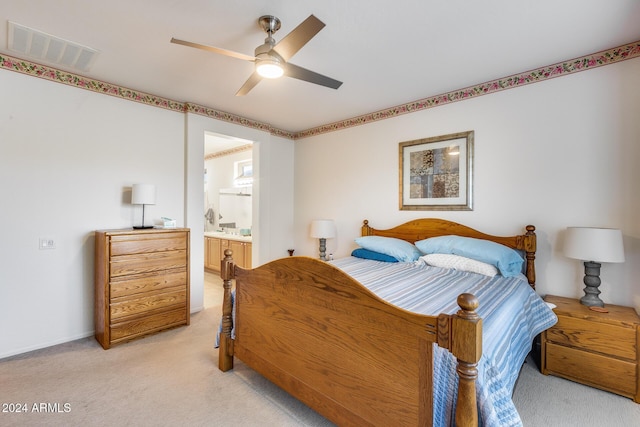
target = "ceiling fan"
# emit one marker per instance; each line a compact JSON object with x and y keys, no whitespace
{"x":271,"y":58}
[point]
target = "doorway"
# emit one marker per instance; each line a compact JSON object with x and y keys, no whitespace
{"x":228,"y":183}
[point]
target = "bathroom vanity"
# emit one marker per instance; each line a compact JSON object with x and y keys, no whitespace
{"x":216,"y":242}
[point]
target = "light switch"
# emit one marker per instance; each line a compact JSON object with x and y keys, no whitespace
{"x":47,"y":243}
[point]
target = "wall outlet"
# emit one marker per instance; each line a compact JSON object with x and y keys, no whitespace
{"x":47,"y":243}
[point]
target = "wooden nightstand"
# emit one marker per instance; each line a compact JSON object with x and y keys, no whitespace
{"x":597,"y":349}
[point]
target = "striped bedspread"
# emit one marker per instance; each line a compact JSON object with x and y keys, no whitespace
{"x":512,"y":315}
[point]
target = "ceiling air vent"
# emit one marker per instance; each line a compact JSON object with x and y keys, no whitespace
{"x":41,"y":46}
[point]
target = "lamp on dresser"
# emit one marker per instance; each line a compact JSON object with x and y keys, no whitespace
{"x":143,"y":194}
{"x":323,"y":229}
{"x":593,"y":246}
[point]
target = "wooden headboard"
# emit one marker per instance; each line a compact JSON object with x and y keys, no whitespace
{"x":424,"y":228}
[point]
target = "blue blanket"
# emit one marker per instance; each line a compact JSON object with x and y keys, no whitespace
{"x":512,"y":315}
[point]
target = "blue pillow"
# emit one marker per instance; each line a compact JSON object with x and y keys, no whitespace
{"x":399,"y":249}
{"x":376,"y":256}
{"x":508,"y":261}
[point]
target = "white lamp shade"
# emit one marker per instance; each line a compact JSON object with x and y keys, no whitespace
{"x":323,"y":229}
{"x":143,"y":194}
{"x":594,"y":244}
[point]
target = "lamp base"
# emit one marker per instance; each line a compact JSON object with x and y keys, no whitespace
{"x":323,"y":249}
{"x":591,"y":281}
{"x":142,"y":227}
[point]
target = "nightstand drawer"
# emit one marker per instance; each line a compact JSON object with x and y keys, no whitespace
{"x":618,"y":376}
{"x":595,"y":336}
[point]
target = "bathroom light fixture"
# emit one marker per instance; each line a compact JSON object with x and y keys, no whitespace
{"x":323,"y":229}
{"x":593,"y":246}
{"x":143,"y":194}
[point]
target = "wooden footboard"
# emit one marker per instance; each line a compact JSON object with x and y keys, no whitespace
{"x":356,"y":359}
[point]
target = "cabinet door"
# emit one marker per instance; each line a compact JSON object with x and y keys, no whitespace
{"x":238,"y":252}
{"x":247,"y":255}
{"x":212,"y":253}
{"x":216,"y":248}
{"x":207,"y":252}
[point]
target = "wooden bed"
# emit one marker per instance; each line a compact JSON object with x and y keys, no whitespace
{"x":324,"y":338}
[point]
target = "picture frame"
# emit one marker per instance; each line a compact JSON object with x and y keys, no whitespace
{"x":436,"y":173}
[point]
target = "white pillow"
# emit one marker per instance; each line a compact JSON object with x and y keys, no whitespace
{"x":458,"y":262}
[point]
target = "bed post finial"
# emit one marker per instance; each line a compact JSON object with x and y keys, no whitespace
{"x":467,"y":348}
{"x":530,"y":247}
{"x":366,"y":230}
{"x":227,"y":273}
{"x":468,"y":304}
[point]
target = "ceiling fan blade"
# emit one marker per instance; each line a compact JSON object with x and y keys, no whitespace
{"x":298,"y":37}
{"x":300,"y":73}
{"x":251,"y":82}
{"x":214,"y":49}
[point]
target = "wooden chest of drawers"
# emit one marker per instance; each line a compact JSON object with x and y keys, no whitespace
{"x":596,"y":349}
{"x":141,"y":282}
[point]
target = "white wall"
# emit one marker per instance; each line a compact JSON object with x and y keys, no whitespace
{"x":563,"y":152}
{"x":67,"y":158}
{"x":273,"y":199}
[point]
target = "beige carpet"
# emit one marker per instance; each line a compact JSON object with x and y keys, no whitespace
{"x":172,"y":379}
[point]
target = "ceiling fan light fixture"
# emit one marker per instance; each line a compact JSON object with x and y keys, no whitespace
{"x":271,"y":59}
{"x":269,"y":68}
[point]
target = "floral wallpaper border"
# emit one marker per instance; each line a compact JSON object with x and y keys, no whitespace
{"x":49,"y":73}
{"x":605,"y":57}
{"x":230,"y":151}
{"x":238,"y":120}
{"x":71,"y":79}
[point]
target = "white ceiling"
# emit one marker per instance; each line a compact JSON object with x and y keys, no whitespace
{"x":387,"y":53}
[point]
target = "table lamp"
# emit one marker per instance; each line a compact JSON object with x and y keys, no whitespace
{"x":143,"y":194}
{"x":323,"y":229}
{"x":593,"y":246}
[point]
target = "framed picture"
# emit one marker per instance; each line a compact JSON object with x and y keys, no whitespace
{"x":437,"y":173}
